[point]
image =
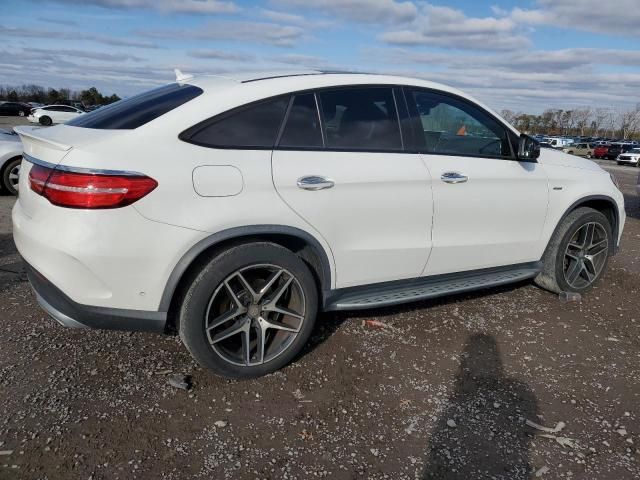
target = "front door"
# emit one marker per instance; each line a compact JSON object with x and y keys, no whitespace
{"x":352,"y":182}
{"x":489,"y":208}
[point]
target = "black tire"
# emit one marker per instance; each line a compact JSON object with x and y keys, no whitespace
{"x":7,"y":175}
{"x":552,"y":276}
{"x":46,"y":121}
{"x":213,"y":278}
{"x":20,"y":113}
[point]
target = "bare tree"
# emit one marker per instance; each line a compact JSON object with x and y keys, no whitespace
{"x":582,"y":116}
{"x":599,"y":117}
{"x":629,"y":122}
{"x":509,"y":115}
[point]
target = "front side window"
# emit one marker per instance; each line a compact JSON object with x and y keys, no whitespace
{"x":137,"y":110}
{"x":252,"y":126}
{"x":450,"y":126}
{"x":363,"y":118}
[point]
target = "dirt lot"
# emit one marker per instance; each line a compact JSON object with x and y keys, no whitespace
{"x":442,"y":391}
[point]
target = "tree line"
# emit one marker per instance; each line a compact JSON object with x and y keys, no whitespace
{"x":36,"y":93}
{"x":584,"y":121}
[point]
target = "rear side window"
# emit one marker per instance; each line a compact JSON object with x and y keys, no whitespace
{"x":363,"y":118}
{"x":302,"y":129}
{"x":252,"y":126}
{"x":139,"y":109}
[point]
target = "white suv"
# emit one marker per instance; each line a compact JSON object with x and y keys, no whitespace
{"x":232,"y":209}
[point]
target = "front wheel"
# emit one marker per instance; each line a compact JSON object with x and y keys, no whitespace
{"x":20,"y":113}
{"x":578,"y":252}
{"x":249,"y":311}
{"x":46,"y":121}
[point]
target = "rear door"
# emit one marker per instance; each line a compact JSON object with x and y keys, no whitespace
{"x":353,"y":182}
{"x":489,"y":208}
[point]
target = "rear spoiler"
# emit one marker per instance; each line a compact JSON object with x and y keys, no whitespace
{"x":32,"y":134}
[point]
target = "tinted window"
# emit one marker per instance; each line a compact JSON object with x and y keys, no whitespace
{"x":138,"y":110}
{"x":67,"y":109}
{"x":253,"y":126}
{"x":454,"y":127}
{"x":303,"y":124}
{"x":361,"y":119}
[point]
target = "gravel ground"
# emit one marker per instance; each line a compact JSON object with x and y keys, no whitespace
{"x":433,"y":390}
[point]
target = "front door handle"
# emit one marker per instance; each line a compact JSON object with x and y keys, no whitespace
{"x":315,"y":182}
{"x":453,"y":177}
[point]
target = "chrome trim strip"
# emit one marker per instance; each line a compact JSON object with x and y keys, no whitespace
{"x":66,"y":168}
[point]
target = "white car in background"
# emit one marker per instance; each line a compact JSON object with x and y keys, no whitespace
{"x":631,"y":157}
{"x":54,"y":114}
{"x":10,"y":159}
{"x":232,"y":209}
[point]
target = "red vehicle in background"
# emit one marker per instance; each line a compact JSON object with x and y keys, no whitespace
{"x":602,"y":151}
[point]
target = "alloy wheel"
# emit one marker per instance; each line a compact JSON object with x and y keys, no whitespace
{"x":14,"y":176}
{"x":255,"y":315}
{"x":585,"y":255}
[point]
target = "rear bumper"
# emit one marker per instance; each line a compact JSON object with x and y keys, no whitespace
{"x":75,"y":315}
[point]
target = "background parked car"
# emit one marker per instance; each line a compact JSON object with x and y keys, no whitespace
{"x":630,"y":157}
{"x":54,"y":114}
{"x":608,"y":152}
{"x":15,"y":109}
{"x":10,"y":160}
{"x":580,"y":149}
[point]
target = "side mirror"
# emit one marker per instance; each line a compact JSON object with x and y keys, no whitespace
{"x":528,"y":149}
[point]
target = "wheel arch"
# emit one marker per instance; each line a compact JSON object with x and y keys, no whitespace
{"x":603,"y":204}
{"x":302,"y":243}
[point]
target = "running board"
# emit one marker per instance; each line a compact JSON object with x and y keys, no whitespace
{"x":404,"y":291}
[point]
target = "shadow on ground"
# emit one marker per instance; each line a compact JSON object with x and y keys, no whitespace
{"x":482,"y":432}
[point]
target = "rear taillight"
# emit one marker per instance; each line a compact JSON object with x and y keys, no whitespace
{"x":88,"y":190}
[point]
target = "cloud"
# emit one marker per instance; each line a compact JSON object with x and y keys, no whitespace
{"x":90,"y":55}
{"x":221,"y":55}
{"x":169,"y":6}
{"x":74,"y":36}
{"x":283,"y":17}
{"x":298,"y":59}
{"x":364,"y":11}
{"x":621,"y":17}
{"x":532,"y":82}
{"x":58,"y":21}
{"x":450,"y":28}
{"x":232,"y":30}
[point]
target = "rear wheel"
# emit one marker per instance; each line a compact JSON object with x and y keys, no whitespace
{"x":578,"y":252}
{"x":46,"y":121}
{"x":20,"y":113}
{"x":11,"y":175}
{"x":249,"y":311}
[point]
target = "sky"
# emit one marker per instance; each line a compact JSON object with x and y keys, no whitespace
{"x":520,"y":55}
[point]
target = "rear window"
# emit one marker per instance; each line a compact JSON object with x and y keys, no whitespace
{"x":140,"y":109}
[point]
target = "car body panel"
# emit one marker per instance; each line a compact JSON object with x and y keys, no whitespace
{"x":493,"y":219}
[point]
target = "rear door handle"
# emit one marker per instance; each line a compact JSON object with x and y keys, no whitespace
{"x":453,"y":177}
{"x":315,"y":182}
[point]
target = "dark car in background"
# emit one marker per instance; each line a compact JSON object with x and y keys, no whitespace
{"x":14,"y":109}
